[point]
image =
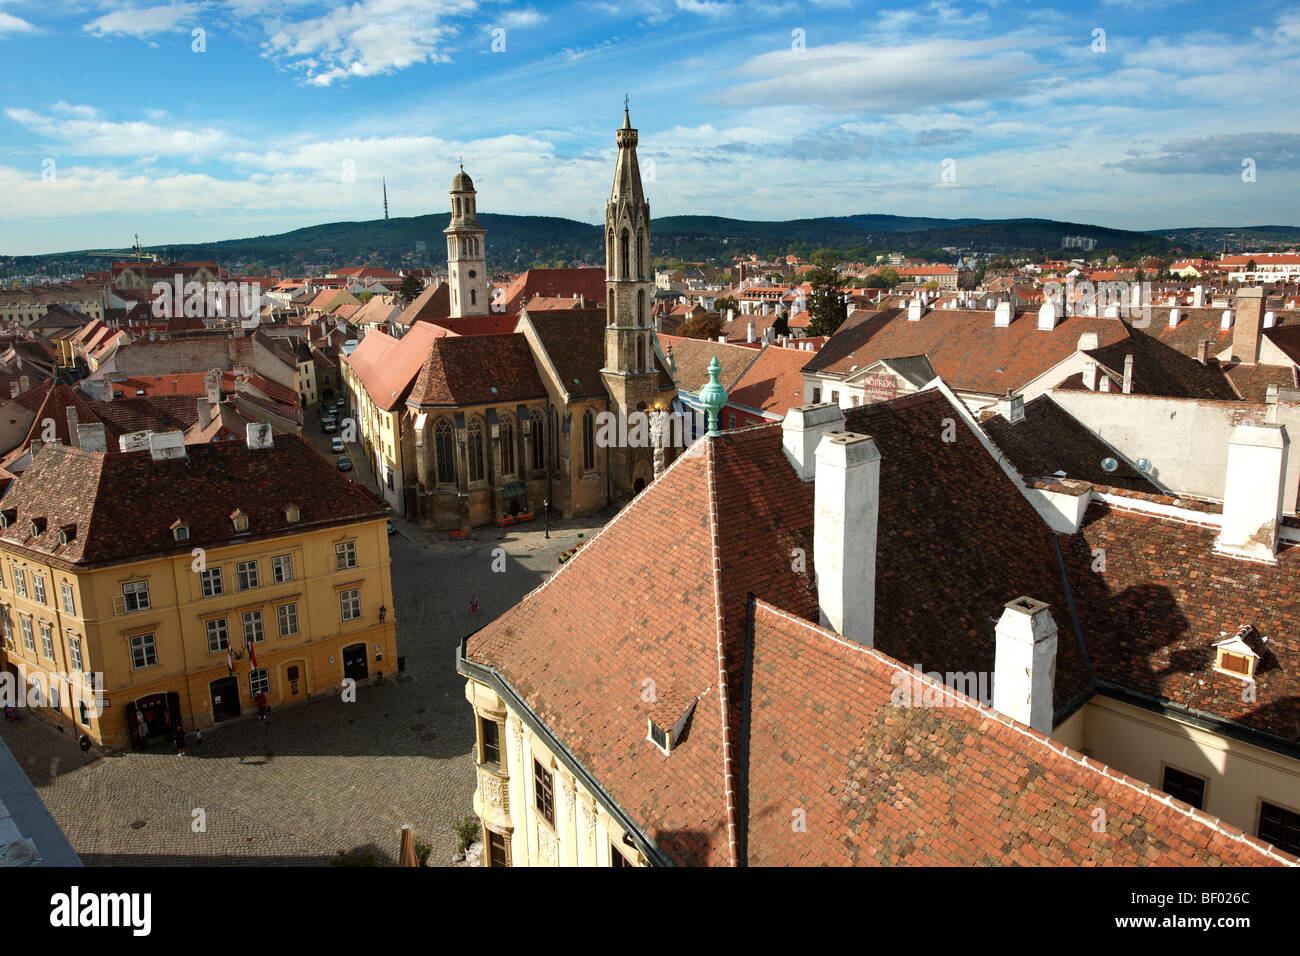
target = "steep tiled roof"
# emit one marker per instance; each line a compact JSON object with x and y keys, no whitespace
{"x":774,"y":383}
{"x":1160,"y":369}
{"x":431,"y":305}
{"x":477,"y":369}
{"x":387,"y":367}
{"x":1165,"y":596}
{"x":555,"y":283}
{"x":1251,"y":382}
{"x":691,"y":357}
{"x":954,"y":785}
{"x":1049,"y":440}
{"x":965,"y":347}
{"x":123,"y":505}
{"x":573,"y":340}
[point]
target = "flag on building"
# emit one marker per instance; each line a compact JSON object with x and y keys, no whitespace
{"x":230,"y":663}
{"x":252,"y":655}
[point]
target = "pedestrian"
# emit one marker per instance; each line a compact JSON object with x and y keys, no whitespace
{"x":473,"y":604}
{"x":198,"y":739}
{"x":84,"y":743}
{"x":262,"y":706}
{"x":180,"y":741}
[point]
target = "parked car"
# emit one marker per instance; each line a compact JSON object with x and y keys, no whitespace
{"x":341,"y":402}
{"x":392,"y":528}
{"x":336,"y":444}
{"x":329,"y":425}
{"x":345,"y":463}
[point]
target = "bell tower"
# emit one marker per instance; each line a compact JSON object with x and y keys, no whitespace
{"x":466,"y":255}
{"x":630,"y":375}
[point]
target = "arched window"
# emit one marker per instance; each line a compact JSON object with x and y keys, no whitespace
{"x":475,"y":449}
{"x":588,"y":440}
{"x":609,"y":249}
{"x":539,"y":447}
{"x":507,"y":445}
{"x":640,"y":306}
{"x":609,"y":307}
{"x":445,"y":450}
{"x":553,"y":439}
{"x":640,"y":254}
{"x":473,"y":297}
{"x":640,"y":353}
{"x":455,"y":207}
{"x":626,"y":253}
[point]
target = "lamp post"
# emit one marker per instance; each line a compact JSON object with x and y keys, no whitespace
{"x":546,"y":507}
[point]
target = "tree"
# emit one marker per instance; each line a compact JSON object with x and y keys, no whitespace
{"x":723,"y":303}
{"x":782,"y":325}
{"x":827,"y":308}
{"x":410,"y":289}
{"x":707,"y":325}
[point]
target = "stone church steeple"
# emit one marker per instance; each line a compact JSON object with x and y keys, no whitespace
{"x":630,"y":374}
{"x":466,"y":253}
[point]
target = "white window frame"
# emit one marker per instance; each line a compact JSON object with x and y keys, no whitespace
{"x":212,"y":582}
{"x":69,"y":598}
{"x":147,"y":645}
{"x":282,"y":568}
{"x":350,"y":601}
{"x":75,"y":659}
{"x":29,"y":635}
{"x":254,"y":627}
{"x":47,"y":641}
{"x":137,"y":592}
{"x":345,"y":555}
{"x":219,"y":628}
{"x":20,"y":582}
{"x":247,"y":571}
{"x":38,"y":587}
{"x":259,"y":680}
{"x":287,"y":612}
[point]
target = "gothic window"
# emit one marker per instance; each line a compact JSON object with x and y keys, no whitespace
{"x":640,"y":354}
{"x":476,"y":470}
{"x":539,"y":451}
{"x":553,"y":439}
{"x":625,"y":254}
{"x":640,"y":307}
{"x":609,"y":248}
{"x":507,"y":445}
{"x":473,"y":297}
{"x":445,"y":450}
{"x":640,"y":254}
{"x":588,"y":440}
{"x":609,"y":307}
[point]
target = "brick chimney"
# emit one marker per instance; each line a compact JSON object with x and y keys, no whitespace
{"x":1253,"y":491}
{"x":1203,"y":351}
{"x":1024,"y":663}
{"x":802,"y":431}
{"x":1250,"y":322}
{"x":846,"y":505}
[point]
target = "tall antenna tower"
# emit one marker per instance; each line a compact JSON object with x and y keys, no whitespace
{"x":385,"y":199}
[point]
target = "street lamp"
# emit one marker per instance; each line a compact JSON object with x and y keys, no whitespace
{"x":546,"y":507}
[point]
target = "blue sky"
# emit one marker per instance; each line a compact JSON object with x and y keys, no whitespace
{"x":111,"y":123}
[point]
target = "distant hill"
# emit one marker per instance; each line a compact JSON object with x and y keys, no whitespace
{"x":516,"y":242}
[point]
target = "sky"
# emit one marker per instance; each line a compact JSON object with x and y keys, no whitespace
{"x":200,"y":120}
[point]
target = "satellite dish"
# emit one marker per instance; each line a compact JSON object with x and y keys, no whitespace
{"x":1143,"y":465}
{"x":1109,"y":464}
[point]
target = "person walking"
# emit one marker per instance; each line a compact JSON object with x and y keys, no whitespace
{"x":198,"y":739}
{"x":262,"y":705}
{"x":473,"y":604}
{"x":180,"y":741}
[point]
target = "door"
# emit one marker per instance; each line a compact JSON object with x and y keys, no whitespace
{"x":295,"y":687}
{"x":354,"y":662}
{"x":225,"y":698}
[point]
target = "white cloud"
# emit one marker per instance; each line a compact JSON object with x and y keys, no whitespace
{"x":12,"y":24}
{"x":143,"y":22}
{"x":84,"y":133}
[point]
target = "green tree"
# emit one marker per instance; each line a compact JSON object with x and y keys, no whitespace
{"x":782,"y":325}
{"x":827,"y":309}
{"x":723,"y":303}
{"x":410,"y":289}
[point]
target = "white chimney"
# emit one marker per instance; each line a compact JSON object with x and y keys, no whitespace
{"x":1024,"y":663}
{"x":1174,"y":316}
{"x":212,"y":386}
{"x":1226,"y":322}
{"x":92,"y":437}
{"x":1128,"y":374}
{"x":1012,"y":407}
{"x":259,"y":435}
{"x":1002,"y":315}
{"x":915,"y":309}
{"x":1048,"y":314}
{"x":1198,"y":297}
{"x":1253,"y":490}
{"x":1088,"y":341}
{"x":1090,"y":376}
{"x":802,"y":431}
{"x":846,"y":504}
{"x":24,"y":383}
{"x":166,"y":445}
{"x":749,"y":332}
{"x":13,"y":390}
{"x":72,"y":428}
{"x":722,"y":339}
{"x":1270,"y":319}
{"x":1104,"y":384}
{"x":108,"y":390}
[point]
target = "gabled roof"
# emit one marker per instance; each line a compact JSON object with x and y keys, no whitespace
{"x":476,"y":370}
{"x":108,"y":495}
{"x":387,"y":367}
{"x":773,"y":383}
{"x":555,"y":283}
{"x":431,"y":305}
{"x":691,"y":357}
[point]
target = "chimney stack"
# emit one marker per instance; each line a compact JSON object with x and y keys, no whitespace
{"x":1250,"y":322}
{"x":1253,"y":491}
{"x":1024,"y":663}
{"x":92,"y":437}
{"x":1174,"y":316}
{"x":1198,"y":297}
{"x":13,"y":390}
{"x":1012,"y":407}
{"x":72,"y":428}
{"x":1203,"y":351}
{"x":1090,"y":376}
{"x":915,"y":309}
{"x":846,"y":496}
{"x":24,"y":383}
{"x":1128,"y":374}
{"x":749,"y":333}
{"x":1002,"y":315}
{"x":259,"y":435}
{"x":205,"y":412}
{"x":1048,"y":313}
{"x":802,"y":431}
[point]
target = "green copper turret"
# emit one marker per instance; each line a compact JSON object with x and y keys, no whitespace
{"x":713,"y":396}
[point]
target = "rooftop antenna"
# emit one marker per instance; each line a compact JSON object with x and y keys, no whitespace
{"x":385,"y":181}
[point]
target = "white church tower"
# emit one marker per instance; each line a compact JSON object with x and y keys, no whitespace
{"x":466,"y":255}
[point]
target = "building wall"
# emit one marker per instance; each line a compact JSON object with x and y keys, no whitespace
{"x":177,"y":618}
{"x":380,"y":432}
{"x":583,"y":832}
{"x":1238,"y":775}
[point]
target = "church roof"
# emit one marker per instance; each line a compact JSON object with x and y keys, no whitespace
{"x":477,"y":370}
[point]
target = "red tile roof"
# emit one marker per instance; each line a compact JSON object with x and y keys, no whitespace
{"x":774,"y":383}
{"x":387,"y":367}
{"x":555,"y":283}
{"x":477,"y":370}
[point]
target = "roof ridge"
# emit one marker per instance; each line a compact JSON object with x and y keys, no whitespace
{"x":953,"y":698}
{"x":728,"y":774}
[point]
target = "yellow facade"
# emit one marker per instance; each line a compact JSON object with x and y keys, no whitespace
{"x":519,"y":782}
{"x":185,"y":676}
{"x":379,"y":432}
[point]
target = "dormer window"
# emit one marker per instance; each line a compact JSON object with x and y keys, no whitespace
{"x":8,"y":516}
{"x":36,"y":527}
{"x":180,"y":530}
{"x":667,"y":737}
{"x":67,"y":533}
{"x":240,"y":520}
{"x":659,"y":737}
{"x":292,"y":513}
{"x":1239,"y":655}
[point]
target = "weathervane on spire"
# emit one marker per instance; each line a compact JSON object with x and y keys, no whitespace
{"x":461,"y":159}
{"x":624,"y":102}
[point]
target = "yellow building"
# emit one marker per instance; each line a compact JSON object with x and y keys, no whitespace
{"x":191,"y":579}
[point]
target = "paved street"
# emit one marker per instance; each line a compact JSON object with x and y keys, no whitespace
{"x":324,"y":776}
